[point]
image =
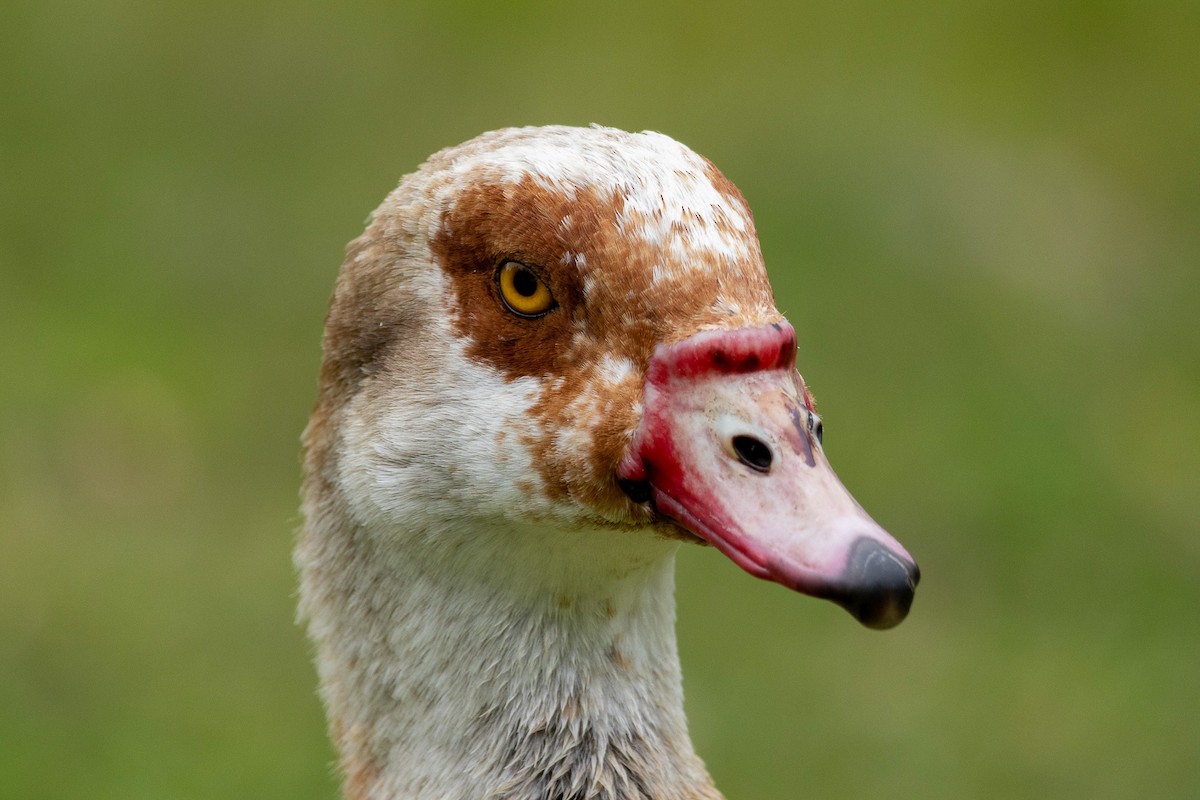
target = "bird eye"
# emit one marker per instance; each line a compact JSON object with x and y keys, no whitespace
{"x":816,"y":428}
{"x":523,"y":292}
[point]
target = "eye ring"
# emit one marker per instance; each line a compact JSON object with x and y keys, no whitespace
{"x":522,"y":291}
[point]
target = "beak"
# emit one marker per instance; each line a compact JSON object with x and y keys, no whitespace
{"x":729,"y":448}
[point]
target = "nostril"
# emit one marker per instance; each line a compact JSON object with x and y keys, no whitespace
{"x":752,"y":452}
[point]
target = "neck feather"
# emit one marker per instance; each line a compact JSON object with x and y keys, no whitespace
{"x":502,"y":663}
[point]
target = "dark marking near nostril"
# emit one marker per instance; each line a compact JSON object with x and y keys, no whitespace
{"x":802,"y":430}
{"x":753,"y":453}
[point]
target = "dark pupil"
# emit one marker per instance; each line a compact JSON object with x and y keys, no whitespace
{"x":525,"y":282}
{"x":752,"y":453}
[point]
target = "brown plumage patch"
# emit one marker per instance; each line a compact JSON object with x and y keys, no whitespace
{"x":619,"y":659}
{"x":726,"y":187}
{"x":617,"y":295}
{"x":360,"y":773}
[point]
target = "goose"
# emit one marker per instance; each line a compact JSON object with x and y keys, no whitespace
{"x":552,"y":359}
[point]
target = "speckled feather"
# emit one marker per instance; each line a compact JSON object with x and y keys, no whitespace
{"x":490,"y":619}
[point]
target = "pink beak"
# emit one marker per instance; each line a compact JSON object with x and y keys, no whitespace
{"x":729,"y":448}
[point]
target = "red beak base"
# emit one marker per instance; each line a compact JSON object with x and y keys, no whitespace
{"x":728,"y":448}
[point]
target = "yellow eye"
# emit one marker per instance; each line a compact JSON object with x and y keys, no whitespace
{"x":522,"y":291}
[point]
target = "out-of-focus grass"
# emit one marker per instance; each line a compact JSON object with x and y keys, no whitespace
{"x":981,"y":218}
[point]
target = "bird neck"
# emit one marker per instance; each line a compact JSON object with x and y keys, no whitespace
{"x":531,"y":663}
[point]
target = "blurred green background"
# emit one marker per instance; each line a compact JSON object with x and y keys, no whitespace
{"x":982,"y":217}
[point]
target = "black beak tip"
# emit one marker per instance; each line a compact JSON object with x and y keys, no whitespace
{"x":877,"y":585}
